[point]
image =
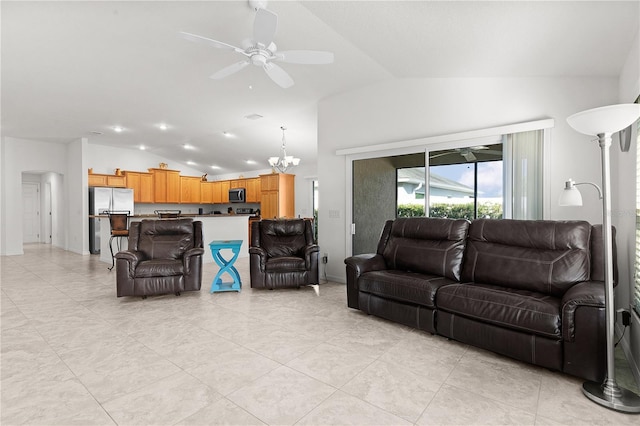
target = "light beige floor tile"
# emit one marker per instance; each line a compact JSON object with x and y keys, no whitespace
{"x":432,"y":356}
{"x":69,"y":345}
{"x":454,"y":406}
{"x":233,"y":370}
{"x":561,"y":399}
{"x":331,"y":364}
{"x":51,"y":402}
{"x":344,"y":409}
{"x":126,"y":370}
{"x":498,"y":378}
{"x":282,"y":345}
{"x":366,"y":339}
{"x":281,"y":397}
{"x":393,"y":388}
{"x":185,"y":345}
{"x":221,"y":412}
{"x":164,"y":402}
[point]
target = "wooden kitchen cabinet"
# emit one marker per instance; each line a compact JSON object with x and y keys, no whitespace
{"x":277,"y":195}
{"x":238,"y":183}
{"x":106,"y":180}
{"x":190,"y":189}
{"x":206,"y":192}
{"x":142,"y":185}
{"x":253,"y":190}
{"x":225,"y":185}
{"x":166,"y":185}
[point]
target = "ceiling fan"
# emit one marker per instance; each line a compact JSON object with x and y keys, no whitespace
{"x":468,"y":152}
{"x":261,"y":51}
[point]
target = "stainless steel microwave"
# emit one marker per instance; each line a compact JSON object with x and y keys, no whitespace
{"x":237,"y":195}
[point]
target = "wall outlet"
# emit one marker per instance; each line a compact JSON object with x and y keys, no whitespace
{"x":325,"y":258}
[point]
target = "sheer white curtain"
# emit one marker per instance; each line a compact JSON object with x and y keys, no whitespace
{"x":523,"y":153}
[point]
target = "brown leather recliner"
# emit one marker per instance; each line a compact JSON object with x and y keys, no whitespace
{"x":283,"y":253}
{"x":164,"y":256}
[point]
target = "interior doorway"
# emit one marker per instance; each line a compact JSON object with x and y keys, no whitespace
{"x":30,"y":212}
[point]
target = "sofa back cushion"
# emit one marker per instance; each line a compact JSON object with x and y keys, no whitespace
{"x":166,"y":238}
{"x":542,"y":256}
{"x":426,"y":245}
{"x":285,"y":237}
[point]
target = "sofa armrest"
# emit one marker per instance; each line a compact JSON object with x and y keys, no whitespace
{"x":188,"y":255}
{"x":132,"y":258}
{"x":310,"y":251}
{"x":356,"y":266}
{"x":588,"y":294}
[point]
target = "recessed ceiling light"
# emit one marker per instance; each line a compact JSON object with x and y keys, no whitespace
{"x":187,"y":146}
{"x":215,"y":167}
{"x":142,"y":147}
{"x":117,"y":129}
{"x":253,"y":117}
{"x":95,"y":132}
{"x":163,"y":126}
{"x":191,"y":163}
{"x":250,"y":162}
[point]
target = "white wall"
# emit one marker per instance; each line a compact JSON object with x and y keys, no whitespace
{"x":105,"y":159}
{"x":18,"y":156}
{"x":415,"y":108}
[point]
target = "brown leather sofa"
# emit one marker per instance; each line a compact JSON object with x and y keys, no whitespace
{"x":283,"y":253}
{"x":163,"y":256}
{"x":530,"y":290}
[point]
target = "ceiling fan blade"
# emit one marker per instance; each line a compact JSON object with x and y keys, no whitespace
{"x":264,"y":27}
{"x":469,"y":156}
{"x":442,"y":154}
{"x":215,"y":43}
{"x":278,"y":75}
{"x":310,"y":57}
{"x":226,"y":71}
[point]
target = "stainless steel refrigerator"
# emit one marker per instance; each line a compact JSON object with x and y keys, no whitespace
{"x":102,"y":200}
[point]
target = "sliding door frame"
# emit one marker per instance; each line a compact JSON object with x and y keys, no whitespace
{"x":439,"y":143}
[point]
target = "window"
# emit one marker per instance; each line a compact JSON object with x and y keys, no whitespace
{"x":467,"y":183}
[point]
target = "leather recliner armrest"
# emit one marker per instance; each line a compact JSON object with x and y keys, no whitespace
{"x":186,"y":259}
{"x":308,"y":252}
{"x":262,"y":255}
{"x":584,"y":294}
{"x":132,"y":258}
{"x":356,"y":266}
{"x":362,"y":263}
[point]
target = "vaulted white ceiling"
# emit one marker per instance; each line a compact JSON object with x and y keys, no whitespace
{"x":71,"y":69}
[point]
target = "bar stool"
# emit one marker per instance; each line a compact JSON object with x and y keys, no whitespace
{"x":119,"y":221}
{"x":168,"y":214}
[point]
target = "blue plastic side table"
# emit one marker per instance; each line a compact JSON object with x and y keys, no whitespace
{"x":226,"y":266}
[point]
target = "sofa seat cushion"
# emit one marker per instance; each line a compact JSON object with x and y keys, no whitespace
{"x":159,"y":268}
{"x":523,"y":310}
{"x":285,"y":263}
{"x":410,"y":287}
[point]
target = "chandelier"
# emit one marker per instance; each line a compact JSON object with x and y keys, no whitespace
{"x":285,"y":161}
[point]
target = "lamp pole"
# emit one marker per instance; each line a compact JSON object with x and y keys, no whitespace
{"x":609,"y":393}
{"x":604,"y":122}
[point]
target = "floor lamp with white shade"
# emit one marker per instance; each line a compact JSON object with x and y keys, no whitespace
{"x":604,"y":122}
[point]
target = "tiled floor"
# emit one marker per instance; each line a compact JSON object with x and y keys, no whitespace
{"x":73,"y":353}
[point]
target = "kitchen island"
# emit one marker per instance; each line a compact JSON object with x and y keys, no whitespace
{"x":214,"y":227}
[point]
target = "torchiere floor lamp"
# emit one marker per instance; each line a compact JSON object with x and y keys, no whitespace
{"x":603,"y":122}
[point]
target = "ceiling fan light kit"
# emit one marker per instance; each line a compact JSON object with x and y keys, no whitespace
{"x":261,"y":51}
